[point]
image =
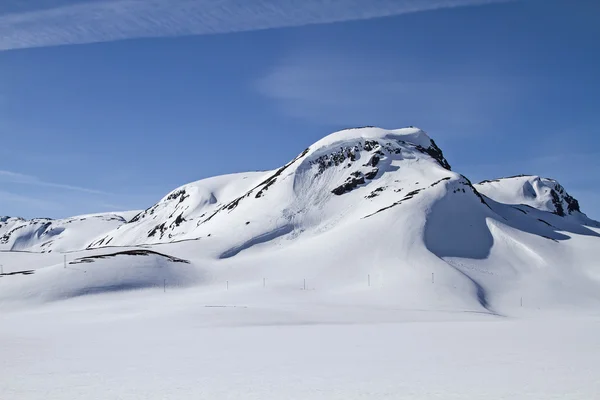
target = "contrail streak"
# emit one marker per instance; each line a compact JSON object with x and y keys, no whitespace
{"x":64,"y":22}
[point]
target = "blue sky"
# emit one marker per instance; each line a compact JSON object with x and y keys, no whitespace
{"x":109,"y":105}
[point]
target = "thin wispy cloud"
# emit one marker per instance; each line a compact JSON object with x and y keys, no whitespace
{"x":62,"y":22}
{"x":18,"y":178}
{"x":346,"y":89}
{"x":8,"y":198}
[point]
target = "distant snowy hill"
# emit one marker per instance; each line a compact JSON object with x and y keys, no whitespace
{"x":47,"y":235}
{"x":541,"y":193}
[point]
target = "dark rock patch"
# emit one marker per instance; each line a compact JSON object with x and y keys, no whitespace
{"x":559,"y":210}
{"x":349,"y":185}
{"x":158,"y":228}
{"x":373,"y":161}
{"x":27,"y":272}
{"x":468,"y":183}
{"x":138,"y":252}
{"x":372,"y":174}
{"x":441,"y":180}
{"x":375,"y":192}
{"x":541,"y":220}
{"x":436,"y":153}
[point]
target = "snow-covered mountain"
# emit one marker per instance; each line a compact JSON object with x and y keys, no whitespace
{"x":345,"y":177}
{"x":366,"y":201}
{"x":341,"y":252}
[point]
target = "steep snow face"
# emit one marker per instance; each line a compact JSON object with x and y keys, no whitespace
{"x":47,"y":235}
{"x":344,"y":177}
{"x":541,"y":193}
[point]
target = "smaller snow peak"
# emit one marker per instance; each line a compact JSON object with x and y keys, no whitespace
{"x":542,"y":193}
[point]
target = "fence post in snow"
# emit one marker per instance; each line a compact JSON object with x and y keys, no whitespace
{"x":165,"y":285}
{"x":264,"y":282}
{"x":521,"y":301}
{"x":227,"y":283}
{"x":432,"y":278}
{"x":304,"y":287}
{"x":65,"y":261}
{"x":369,"y":279}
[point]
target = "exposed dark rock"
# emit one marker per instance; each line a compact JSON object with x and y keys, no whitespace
{"x":349,"y":185}
{"x":158,"y":228}
{"x":489,"y":181}
{"x":373,"y":161}
{"x":178,"y":220}
{"x":272,"y":179}
{"x":336,"y":158}
{"x":370,"y":145}
{"x":375,"y":192}
{"x":441,"y":180}
{"x":414,"y":192}
{"x":470,"y":185}
{"x":436,"y":153}
{"x":572,"y":203}
{"x":27,"y":272}
{"x":383,"y":209}
{"x":372,"y":174}
{"x":179,"y":193}
{"x":559,"y":210}
{"x":138,"y":252}
{"x":541,"y":220}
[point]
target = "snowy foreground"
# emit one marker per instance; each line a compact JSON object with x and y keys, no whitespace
{"x":363,"y":268}
{"x":177,"y":345}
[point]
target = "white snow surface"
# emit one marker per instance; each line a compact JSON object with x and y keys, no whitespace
{"x":363,"y":268}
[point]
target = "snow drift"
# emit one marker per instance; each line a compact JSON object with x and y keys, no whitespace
{"x":97,"y":274}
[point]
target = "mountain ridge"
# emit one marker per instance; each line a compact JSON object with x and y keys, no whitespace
{"x":360,"y":157}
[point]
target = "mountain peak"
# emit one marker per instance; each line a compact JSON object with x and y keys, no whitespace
{"x":410,"y":135}
{"x":416,"y":137}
